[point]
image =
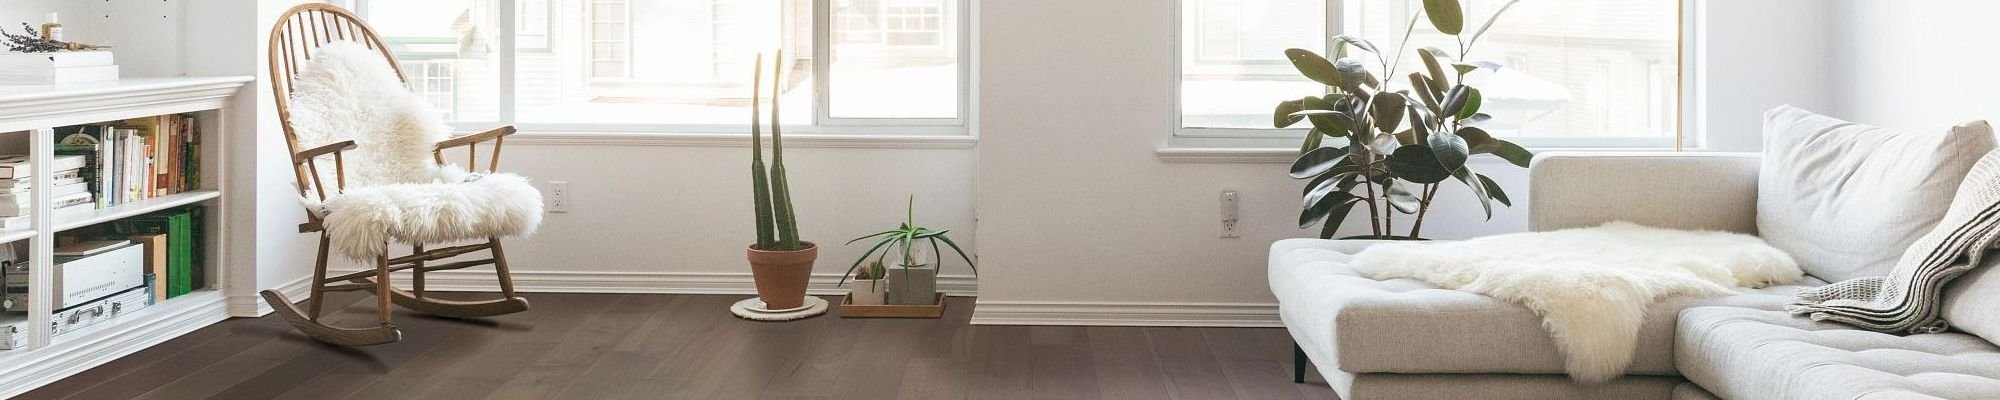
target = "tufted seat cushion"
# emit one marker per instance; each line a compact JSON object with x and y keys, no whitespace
{"x":1753,"y":354}
{"x":1408,"y":326}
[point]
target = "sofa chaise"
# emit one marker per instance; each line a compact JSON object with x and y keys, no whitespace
{"x":1406,"y":339}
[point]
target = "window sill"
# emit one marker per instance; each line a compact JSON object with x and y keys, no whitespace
{"x":547,"y":138}
{"x":1256,"y":155}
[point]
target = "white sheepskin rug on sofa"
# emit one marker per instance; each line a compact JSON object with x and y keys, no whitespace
{"x":1590,"y":285}
{"x":395,"y":189}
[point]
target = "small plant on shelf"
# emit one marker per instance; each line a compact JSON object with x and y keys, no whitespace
{"x":33,"y":42}
{"x":912,"y":281}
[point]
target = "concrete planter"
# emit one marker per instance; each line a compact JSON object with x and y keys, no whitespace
{"x":868,"y":292}
{"x":913,"y":285}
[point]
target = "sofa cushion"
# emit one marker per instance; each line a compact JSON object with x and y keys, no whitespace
{"x":1846,"y":199}
{"x":1408,"y":326}
{"x":1740,"y":353}
{"x":1972,"y":302}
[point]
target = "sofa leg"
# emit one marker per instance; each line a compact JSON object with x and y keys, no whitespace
{"x":1298,"y":364}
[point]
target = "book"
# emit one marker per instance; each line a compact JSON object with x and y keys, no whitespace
{"x":23,"y":197}
{"x":61,"y":59}
{"x":17,"y":166}
{"x":16,"y":209}
{"x":80,"y":249}
{"x":156,"y":261}
{"x":184,"y":247}
{"x":58,"y":75}
{"x":83,"y":141}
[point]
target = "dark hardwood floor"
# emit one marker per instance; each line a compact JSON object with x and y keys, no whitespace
{"x":639,"y":346}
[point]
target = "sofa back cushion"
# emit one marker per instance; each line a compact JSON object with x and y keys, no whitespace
{"x":1846,"y":199}
{"x":1972,"y":302}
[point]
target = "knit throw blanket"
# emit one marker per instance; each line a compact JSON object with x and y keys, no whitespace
{"x":1908,"y":299}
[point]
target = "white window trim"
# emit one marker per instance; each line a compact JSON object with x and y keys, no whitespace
{"x":825,"y":132}
{"x":1244,"y":145}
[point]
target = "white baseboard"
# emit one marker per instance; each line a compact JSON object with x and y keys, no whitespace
{"x":252,"y":305}
{"x":95,"y":346}
{"x":1126,"y":314}
{"x":643,"y":282}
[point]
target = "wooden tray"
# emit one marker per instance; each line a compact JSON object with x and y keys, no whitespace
{"x":892,"y":310}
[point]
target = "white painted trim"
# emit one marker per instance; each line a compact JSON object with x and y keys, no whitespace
{"x":743,"y":140}
{"x":1227,"y":155}
{"x":80,"y":351}
{"x":252,"y":305}
{"x":643,"y":282}
{"x":43,"y":106}
{"x":1249,"y":315}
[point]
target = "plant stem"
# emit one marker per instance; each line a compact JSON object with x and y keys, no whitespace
{"x":1423,"y":207}
{"x":1367,"y":180}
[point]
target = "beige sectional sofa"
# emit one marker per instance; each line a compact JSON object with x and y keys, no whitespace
{"x":1405,"y":339}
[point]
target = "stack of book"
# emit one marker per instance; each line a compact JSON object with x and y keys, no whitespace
{"x":135,"y":159}
{"x":57,"y":68}
{"x":66,"y":187}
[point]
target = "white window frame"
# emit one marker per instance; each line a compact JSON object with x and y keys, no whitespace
{"x":825,"y":131}
{"x":1265,"y":144}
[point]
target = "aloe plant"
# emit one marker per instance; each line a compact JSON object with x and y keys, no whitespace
{"x":777,"y":225}
{"x":1383,"y":163}
{"x":905,"y":238}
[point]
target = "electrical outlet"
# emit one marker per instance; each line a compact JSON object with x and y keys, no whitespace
{"x":558,"y":196}
{"x":1229,"y":215}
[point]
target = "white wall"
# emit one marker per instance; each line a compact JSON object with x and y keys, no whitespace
{"x":1081,"y":222}
{"x":1078,"y":219}
{"x":1756,"y":55}
{"x":1920,"y":65}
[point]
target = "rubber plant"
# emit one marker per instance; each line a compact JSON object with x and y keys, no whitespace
{"x":1389,"y":149}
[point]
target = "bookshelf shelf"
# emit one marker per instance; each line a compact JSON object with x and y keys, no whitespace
{"x":10,"y":235}
{"x":39,"y":111}
{"x":30,"y":107}
{"x":78,"y":217}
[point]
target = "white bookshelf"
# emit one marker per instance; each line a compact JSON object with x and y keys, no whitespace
{"x":29,"y":114}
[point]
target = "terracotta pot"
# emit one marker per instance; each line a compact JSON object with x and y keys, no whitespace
{"x":782,"y":275}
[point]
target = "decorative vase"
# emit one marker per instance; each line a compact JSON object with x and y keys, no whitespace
{"x":782,"y":275}
{"x":868,"y":292}
{"x":913,"y":285}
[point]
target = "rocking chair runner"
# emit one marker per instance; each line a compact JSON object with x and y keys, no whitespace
{"x":298,"y":34}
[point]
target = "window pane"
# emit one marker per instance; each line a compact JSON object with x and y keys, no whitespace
{"x":682,"y":62}
{"x":1233,"y":66}
{"x":1572,"y":68}
{"x":894,"y":59}
{"x":446,"y":50}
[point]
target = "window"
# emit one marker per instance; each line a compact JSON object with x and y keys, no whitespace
{"x":432,"y":79}
{"x":1577,"y":73}
{"x":685,"y":66}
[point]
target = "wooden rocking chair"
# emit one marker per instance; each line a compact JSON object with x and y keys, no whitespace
{"x":298,"y":33}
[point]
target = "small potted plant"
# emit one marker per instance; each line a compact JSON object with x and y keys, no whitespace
{"x":780,"y":263}
{"x":913,"y":281}
{"x":871,"y":287}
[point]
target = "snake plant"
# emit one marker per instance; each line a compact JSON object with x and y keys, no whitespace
{"x":904,"y":239}
{"x":777,"y":226}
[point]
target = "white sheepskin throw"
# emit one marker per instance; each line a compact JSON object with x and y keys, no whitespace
{"x":395,"y":191}
{"x":470,"y":207}
{"x":347,"y":91}
{"x":1590,"y":285}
